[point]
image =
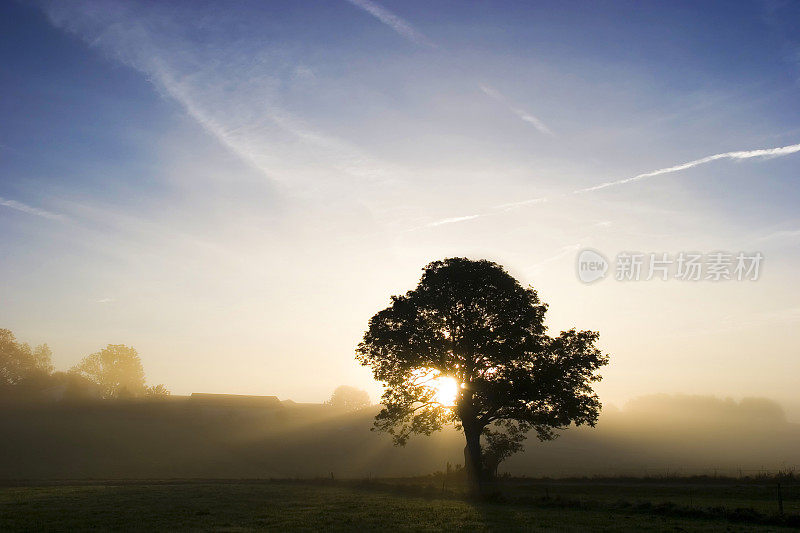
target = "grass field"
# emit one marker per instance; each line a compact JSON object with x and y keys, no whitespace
{"x":243,"y":506}
{"x":761,"y":497}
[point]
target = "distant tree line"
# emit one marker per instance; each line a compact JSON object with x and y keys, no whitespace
{"x":28,"y":374}
{"x":349,"y":398}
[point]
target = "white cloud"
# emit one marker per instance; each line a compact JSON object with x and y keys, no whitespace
{"x":513,"y":205}
{"x":737,"y":155}
{"x":562,"y":252}
{"x":780,"y":235}
{"x":409,"y":32}
{"x":236,"y":99}
{"x":745,"y":154}
{"x":521,"y":113}
{"x":393,"y":21}
{"x":452,"y":220}
{"x":24,"y":208}
{"x":302,"y":72}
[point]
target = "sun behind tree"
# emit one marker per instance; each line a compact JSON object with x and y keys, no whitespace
{"x":469,"y":346}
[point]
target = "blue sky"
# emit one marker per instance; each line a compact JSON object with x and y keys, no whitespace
{"x":251,"y":181}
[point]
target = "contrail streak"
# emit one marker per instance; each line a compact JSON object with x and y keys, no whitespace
{"x":19,"y":206}
{"x":512,"y":205}
{"x":412,"y":34}
{"x":521,"y":113}
{"x":747,"y":154}
{"x":453,"y":220}
{"x":741,"y":154}
{"x":393,"y":21}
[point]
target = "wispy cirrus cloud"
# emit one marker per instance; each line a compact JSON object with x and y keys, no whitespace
{"x":235,"y":93}
{"x":25,"y":208}
{"x":780,"y":235}
{"x":405,"y":29}
{"x":395,"y":22}
{"x":522,"y":203}
{"x":523,"y":115}
{"x":452,"y":220}
{"x":562,"y":252}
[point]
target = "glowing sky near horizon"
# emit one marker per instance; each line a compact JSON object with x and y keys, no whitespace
{"x":234,"y":189}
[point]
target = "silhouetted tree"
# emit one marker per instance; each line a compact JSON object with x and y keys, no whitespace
{"x":472,"y":321}
{"x":349,"y":398}
{"x":116,"y":369}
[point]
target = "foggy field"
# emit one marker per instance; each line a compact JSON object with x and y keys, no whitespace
{"x":175,"y":439}
{"x":285,"y":505}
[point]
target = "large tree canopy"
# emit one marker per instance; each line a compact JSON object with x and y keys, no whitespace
{"x":473,"y":322}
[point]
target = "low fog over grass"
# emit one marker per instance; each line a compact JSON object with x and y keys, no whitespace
{"x":176,"y":437}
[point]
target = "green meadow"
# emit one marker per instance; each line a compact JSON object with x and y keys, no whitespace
{"x":312,"y":506}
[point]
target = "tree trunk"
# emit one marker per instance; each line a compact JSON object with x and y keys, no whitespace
{"x":472,"y":458}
